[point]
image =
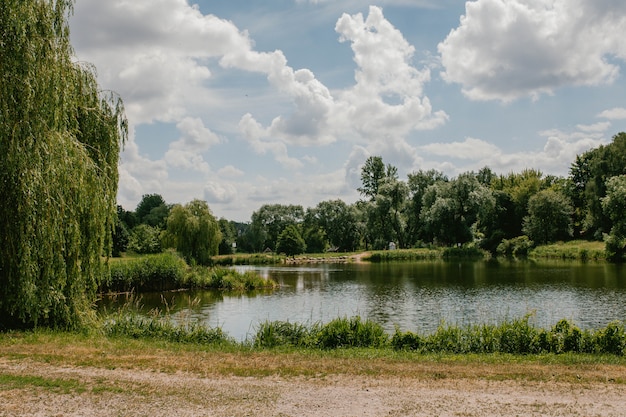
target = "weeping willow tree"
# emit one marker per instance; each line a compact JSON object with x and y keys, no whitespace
{"x":60,"y":138}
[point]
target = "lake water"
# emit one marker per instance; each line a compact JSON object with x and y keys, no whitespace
{"x":415,"y":296}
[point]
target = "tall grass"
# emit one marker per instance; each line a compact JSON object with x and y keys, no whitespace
{"x":164,"y":329}
{"x":515,"y":337}
{"x":424,"y":254}
{"x":576,"y":249}
{"x":168,"y":271}
{"x":518,"y":337}
{"x":338,"y":333}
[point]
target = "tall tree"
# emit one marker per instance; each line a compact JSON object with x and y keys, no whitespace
{"x":549,"y":217}
{"x":589,"y":174}
{"x":270,"y":220}
{"x":372,"y":175}
{"x":418,"y":182}
{"x":193,"y":231}
{"x":339,"y":222}
{"x":614,"y":206}
{"x":59,"y":150}
{"x":152,"y":210}
{"x":454,"y":210}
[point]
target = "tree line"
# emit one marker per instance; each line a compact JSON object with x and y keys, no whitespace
{"x":506,"y":213}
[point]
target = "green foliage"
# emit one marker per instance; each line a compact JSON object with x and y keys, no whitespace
{"x":576,"y":249}
{"x":517,"y":246}
{"x":283,"y":333}
{"x":290,"y":241}
{"x":270,"y":220}
{"x":193,"y":231}
{"x":144,"y":239}
{"x":515,"y":337}
{"x":338,"y":221}
{"x":350,"y":333}
{"x":452,"y":210}
{"x":58,"y":172}
{"x":588,"y":177}
{"x":168,"y":271}
{"x":152,"y":210}
{"x":339,"y":333}
{"x":229,"y":236}
{"x":549,"y":217}
{"x":160,"y":272}
{"x":226,"y":280}
{"x":137,"y":327}
{"x":614,"y":206}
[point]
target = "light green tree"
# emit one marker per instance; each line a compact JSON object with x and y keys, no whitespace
{"x":193,"y":231}
{"x":614,"y":206}
{"x":60,"y":141}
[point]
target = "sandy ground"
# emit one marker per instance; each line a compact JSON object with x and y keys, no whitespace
{"x":121,"y":392}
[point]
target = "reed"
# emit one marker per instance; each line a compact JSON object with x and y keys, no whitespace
{"x":169,"y":271}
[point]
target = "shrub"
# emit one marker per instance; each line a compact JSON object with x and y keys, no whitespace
{"x":161,"y":272}
{"x":517,"y":246}
{"x":352,"y":332}
{"x":137,"y":327}
{"x":282,"y":333}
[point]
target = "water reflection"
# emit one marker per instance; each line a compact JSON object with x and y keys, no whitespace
{"x":415,"y":296}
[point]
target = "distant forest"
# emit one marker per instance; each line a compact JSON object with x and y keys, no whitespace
{"x":490,"y":211}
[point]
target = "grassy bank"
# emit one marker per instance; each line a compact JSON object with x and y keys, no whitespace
{"x":517,"y":337}
{"x":98,"y":350}
{"x":576,"y":250}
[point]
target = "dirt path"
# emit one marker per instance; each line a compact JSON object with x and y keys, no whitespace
{"x":29,"y":388}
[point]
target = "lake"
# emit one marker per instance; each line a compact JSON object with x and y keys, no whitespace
{"x":415,"y":296}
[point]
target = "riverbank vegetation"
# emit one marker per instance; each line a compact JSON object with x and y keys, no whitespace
{"x":514,"y":337}
{"x":169,"y":271}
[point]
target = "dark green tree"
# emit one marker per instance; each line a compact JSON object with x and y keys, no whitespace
{"x":549,"y":217}
{"x":270,"y":220}
{"x":290,"y":241}
{"x":372,"y":174}
{"x":193,"y":231}
{"x":229,"y":236}
{"x":454,"y":211}
{"x":60,"y":141}
{"x":418,"y":182}
{"x":152,"y":210}
{"x":589,"y":174}
{"x":614,"y":205}
{"x":338,"y":221}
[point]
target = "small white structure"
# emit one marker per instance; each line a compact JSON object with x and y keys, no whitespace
{"x":392,"y":246}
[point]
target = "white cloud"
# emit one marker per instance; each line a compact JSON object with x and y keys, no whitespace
{"x":616,"y":113}
{"x":387,"y":98}
{"x":219,"y":192}
{"x":388,"y":95}
{"x":507,"y":49}
{"x":596,"y":127}
{"x":230,"y":171}
{"x":559,"y":151}
{"x":470,"y":148}
{"x":195,"y":136}
{"x":186,"y":160}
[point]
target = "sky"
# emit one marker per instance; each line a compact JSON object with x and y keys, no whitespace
{"x":243,"y":103}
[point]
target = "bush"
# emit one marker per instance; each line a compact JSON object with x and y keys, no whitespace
{"x":137,"y":327}
{"x":353,"y":332}
{"x":162,"y":272}
{"x":282,"y":333}
{"x":517,"y":246}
